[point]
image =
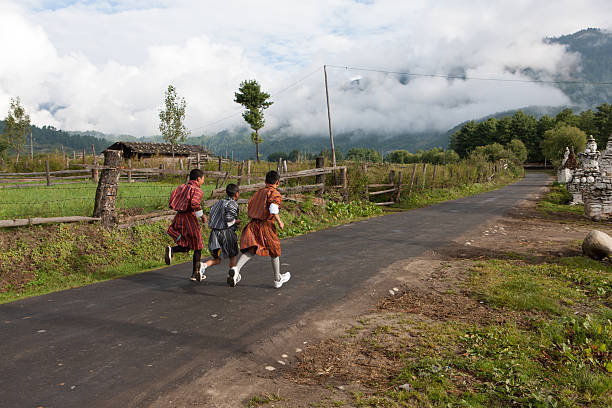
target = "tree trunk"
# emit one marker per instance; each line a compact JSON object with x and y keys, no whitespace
{"x":257,"y":150}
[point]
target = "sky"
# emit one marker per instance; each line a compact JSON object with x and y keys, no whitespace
{"x":105,"y":65}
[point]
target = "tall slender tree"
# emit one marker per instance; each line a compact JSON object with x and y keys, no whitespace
{"x":16,"y":126}
{"x":255,"y":101}
{"x":171,"y":124}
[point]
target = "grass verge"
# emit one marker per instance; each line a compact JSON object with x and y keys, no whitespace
{"x":41,"y":259}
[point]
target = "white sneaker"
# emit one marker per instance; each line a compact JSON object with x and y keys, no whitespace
{"x":200,"y":274}
{"x":284,"y":279}
{"x":233,"y":277}
{"x":168,"y":255}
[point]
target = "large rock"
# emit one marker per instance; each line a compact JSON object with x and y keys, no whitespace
{"x":597,"y":245}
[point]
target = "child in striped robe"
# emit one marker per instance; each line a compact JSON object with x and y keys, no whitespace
{"x":185,"y":229}
{"x":259,"y":236}
{"x":223,"y":221}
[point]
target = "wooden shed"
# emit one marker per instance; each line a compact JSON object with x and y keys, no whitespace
{"x":138,"y":150}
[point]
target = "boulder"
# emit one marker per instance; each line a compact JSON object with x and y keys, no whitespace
{"x":597,"y":245}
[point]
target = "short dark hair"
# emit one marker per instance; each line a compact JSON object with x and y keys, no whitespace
{"x":272,"y":177}
{"x":195,"y":174}
{"x":231,"y":189}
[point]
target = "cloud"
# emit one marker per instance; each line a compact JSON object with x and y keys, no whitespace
{"x":104,"y":65}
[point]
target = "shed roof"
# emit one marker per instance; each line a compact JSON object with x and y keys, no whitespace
{"x":158,"y":148}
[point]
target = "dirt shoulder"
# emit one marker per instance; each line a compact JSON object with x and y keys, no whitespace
{"x":349,"y":355}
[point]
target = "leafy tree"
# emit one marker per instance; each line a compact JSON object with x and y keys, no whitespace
{"x":171,"y":120}
{"x":518,"y":149}
{"x":399,"y":156}
{"x":603,"y":123}
{"x":273,"y":157}
{"x":295,"y":155}
{"x":363,"y":154}
{"x":255,"y":101}
{"x":566,"y":117}
{"x":562,"y":136}
{"x":16,"y":127}
{"x":492,"y":153}
{"x":462,"y":141}
{"x":524,"y":128}
{"x":327,"y":154}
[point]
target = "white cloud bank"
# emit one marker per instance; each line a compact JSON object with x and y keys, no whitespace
{"x":87,"y":65}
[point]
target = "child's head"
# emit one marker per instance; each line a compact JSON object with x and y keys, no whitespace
{"x":197,"y":175}
{"x":232,"y":190}
{"x":272,"y":177}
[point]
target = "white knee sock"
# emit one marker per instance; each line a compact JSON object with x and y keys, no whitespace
{"x":244,"y":258}
{"x":276,"y":267}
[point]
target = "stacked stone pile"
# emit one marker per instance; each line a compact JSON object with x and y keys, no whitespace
{"x":591,"y":182}
{"x":586,"y":173}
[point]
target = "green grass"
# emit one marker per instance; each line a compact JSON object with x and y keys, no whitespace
{"x":264,"y":399}
{"x":558,"y":200}
{"x":78,"y":199}
{"x":556,"y":354}
{"x":71,"y":255}
{"x":419,"y":199}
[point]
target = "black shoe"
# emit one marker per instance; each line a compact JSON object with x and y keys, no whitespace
{"x":168,"y":255}
{"x":233,"y":277}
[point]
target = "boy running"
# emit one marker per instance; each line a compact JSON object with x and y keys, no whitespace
{"x":223,"y":221}
{"x":185,"y":229}
{"x":259,"y":236}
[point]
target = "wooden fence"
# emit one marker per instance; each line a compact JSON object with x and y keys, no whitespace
{"x":108,"y":176}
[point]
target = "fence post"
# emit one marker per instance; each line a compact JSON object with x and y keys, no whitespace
{"x":83,"y":156}
{"x":248,"y":172}
{"x":320,"y":162}
{"x":285,"y":167}
{"x":400,"y":176}
{"x":392,"y":177}
{"x":129,"y":173}
{"x":424,"y":176}
{"x":344,"y":180}
{"x":240,"y":171}
{"x":367,"y":186}
{"x":106,"y":193}
{"x":93,"y":154}
{"x":412,"y":178}
{"x":48,"y":173}
{"x":198,"y":161}
{"x":433,"y":177}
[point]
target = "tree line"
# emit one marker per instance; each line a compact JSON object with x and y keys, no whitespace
{"x":533,"y":132}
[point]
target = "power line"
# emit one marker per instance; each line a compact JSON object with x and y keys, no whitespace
{"x":468,"y":78}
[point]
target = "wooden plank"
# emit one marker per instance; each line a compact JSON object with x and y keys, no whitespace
{"x":380,"y":185}
{"x":51,"y":220}
{"x":43,"y":173}
{"x":391,"y":190}
{"x":386,"y":203}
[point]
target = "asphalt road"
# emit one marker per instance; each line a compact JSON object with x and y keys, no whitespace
{"x":125,"y":342}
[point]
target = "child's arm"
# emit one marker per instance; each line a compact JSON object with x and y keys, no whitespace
{"x":281,"y":225}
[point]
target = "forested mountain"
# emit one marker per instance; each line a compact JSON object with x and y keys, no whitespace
{"x":595,"y":49}
{"x":239,"y":142}
{"x":50,"y":139}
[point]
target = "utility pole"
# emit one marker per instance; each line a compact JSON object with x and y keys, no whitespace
{"x":331,"y":135}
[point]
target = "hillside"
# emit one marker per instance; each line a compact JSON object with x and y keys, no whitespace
{"x":595,"y":49}
{"x":50,"y":139}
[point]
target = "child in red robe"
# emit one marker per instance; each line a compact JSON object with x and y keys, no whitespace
{"x":185,"y":229}
{"x":259,"y":236}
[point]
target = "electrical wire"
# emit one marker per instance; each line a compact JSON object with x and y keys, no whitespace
{"x":468,"y":78}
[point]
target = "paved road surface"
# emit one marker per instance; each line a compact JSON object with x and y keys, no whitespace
{"x":127,"y":341}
